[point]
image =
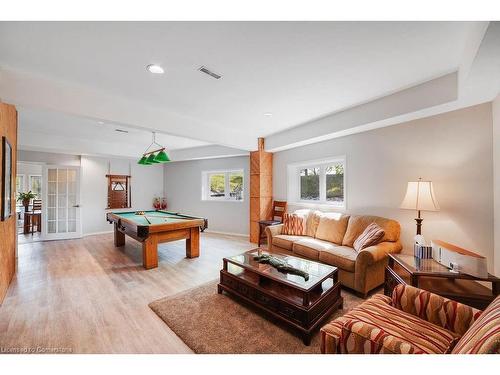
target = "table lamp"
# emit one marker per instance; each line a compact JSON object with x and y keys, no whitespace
{"x":420,"y":197}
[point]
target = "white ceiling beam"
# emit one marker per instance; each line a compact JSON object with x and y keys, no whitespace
{"x":34,"y":91}
{"x":432,"y":93}
{"x":206,"y":152}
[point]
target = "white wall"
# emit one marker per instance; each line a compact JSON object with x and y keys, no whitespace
{"x":146,"y":183}
{"x":454,"y":150}
{"x":183,"y":192}
{"x":496,"y":179}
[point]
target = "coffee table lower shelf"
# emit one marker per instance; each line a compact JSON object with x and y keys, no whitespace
{"x":276,"y":300}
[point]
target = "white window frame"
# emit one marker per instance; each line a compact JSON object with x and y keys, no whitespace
{"x":293,"y":186}
{"x":205,"y":186}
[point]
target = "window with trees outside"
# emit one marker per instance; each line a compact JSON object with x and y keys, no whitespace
{"x":318,"y":182}
{"x":36,"y":185}
{"x":19,"y":184}
{"x":223,"y":185}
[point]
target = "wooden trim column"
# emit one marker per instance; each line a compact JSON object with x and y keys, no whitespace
{"x":8,"y":235}
{"x":261,"y":188}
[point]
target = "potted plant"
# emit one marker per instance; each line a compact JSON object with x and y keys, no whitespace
{"x":25,"y":198}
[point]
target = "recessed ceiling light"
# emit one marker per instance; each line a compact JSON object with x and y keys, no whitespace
{"x":100,"y":122}
{"x":155,"y":69}
{"x":268,"y":114}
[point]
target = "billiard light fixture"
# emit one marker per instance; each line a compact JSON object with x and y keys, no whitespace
{"x":156,"y":156}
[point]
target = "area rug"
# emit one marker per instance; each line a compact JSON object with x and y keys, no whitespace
{"x":217,"y":323}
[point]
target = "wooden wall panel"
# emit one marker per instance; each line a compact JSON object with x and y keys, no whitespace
{"x":8,"y":238}
{"x":261,"y":188}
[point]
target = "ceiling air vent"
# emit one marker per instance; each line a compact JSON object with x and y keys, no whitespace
{"x":121,"y":131}
{"x":205,"y":70}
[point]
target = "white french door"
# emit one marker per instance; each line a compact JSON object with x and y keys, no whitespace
{"x":61,"y":203}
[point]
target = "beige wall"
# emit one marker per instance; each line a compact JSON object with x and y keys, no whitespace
{"x":454,"y":150}
{"x":496,"y":179}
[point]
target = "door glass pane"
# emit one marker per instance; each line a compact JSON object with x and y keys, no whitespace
{"x":335,"y":183}
{"x":309,"y":184}
{"x":51,"y":200}
{"x":72,"y":213}
{"x":61,"y":227}
{"x":71,"y":175}
{"x":52,"y":187}
{"x":51,"y":227}
{"x":61,"y":213}
{"x":61,"y":200}
{"x":52,"y":175}
{"x":71,"y":226}
{"x":71,"y":200}
{"x":51,"y":214}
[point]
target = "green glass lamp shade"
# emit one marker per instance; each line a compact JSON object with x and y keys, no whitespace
{"x":151,"y":159}
{"x":162,"y":157}
{"x":143,"y":161}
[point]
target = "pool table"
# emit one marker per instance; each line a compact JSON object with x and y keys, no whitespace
{"x":154,"y":227}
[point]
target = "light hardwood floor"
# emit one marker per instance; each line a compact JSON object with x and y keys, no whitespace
{"x":90,"y":297}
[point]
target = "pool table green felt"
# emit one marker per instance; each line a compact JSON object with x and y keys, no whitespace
{"x":155,"y":217}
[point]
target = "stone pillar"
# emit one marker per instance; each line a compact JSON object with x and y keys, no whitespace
{"x":261,"y":188}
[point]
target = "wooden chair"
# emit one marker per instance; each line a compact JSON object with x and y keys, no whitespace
{"x":35,"y":216}
{"x":279,"y":209}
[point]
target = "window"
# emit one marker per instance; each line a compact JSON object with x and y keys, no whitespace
{"x":223,"y":185}
{"x":36,"y":185}
{"x":318,"y":182}
{"x":19,"y":184}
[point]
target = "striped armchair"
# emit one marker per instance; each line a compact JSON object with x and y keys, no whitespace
{"x":414,"y":321}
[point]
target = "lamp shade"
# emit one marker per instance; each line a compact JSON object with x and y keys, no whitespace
{"x":162,"y":157}
{"x":151,"y":159}
{"x":420,"y":197}
{"x":143,"y":161}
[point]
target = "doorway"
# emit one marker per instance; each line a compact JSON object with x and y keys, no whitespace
{"x":28,"y":211}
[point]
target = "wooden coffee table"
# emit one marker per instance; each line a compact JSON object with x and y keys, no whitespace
{"x":303,"y":305}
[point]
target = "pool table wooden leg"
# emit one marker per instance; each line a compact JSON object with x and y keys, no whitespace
{"x":119,"y":237}
{"x":193,"y":243}
{"x":150,"y":252}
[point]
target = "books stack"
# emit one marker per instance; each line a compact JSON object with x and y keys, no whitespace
{"x":422,"y":251}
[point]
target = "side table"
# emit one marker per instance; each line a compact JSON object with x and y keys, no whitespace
{"x":432,"y":276}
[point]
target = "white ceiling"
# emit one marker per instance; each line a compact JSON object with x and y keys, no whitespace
{"x":42,"y":130}
{"x":299,"y":71}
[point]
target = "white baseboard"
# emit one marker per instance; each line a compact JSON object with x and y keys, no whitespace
{"x":226,"y":233}
{"x":96,"y":233}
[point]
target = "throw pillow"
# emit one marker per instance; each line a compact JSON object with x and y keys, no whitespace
{"x":294,"y":225}
{"x":372,"y":235}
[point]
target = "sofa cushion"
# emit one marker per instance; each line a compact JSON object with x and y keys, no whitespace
{"x":484,"y":334}
{"x":285,"y":241}
{"x":310,"y":247}
{"x":358,"y":223}
{"x":332,"y":227}
{"x":370,"y":236}
{"x":312,"y":223}
{"x":294,"y":224}
{"x":377,"y":327}
{"x":339,"y":256}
